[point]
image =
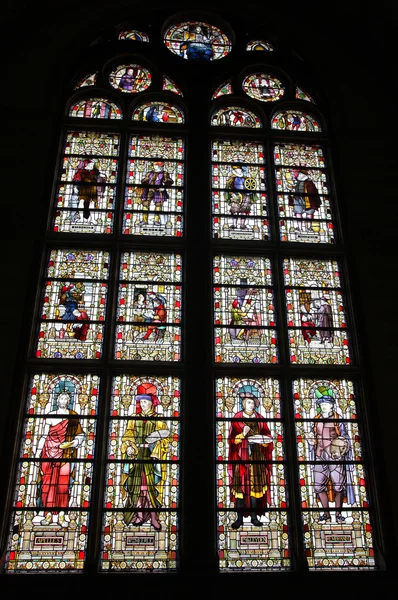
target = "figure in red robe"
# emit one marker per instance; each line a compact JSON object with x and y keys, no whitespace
{"x":249,"y":442}
{"x":61,"y":437}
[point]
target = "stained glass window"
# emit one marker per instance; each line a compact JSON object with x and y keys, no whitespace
{"x":149,"y":307}
{"x":141,"y":524}
{"x":134,"y":35}
{"x":168,"y":85}
{"x":302,"y":95}
{"x":235,"y":116}
{"x":294,"y":120}
{"x":159,"y":338}
{"x":263,"y":87}
{"x":315,"y":304}
{"x":158,"y":112}
{"x":333,"y":479}
{"x":252,"y":527}
{"x":52,"y":500}
{"x":86,"y":186}
{"x":244,"y":313}
{"x":260,"y":45}
{"x":223,"y":90}
{"x":197,"y":41}
{"x":95,"y":108}
{"x":73,"y":305}
{"x":90,"y":79}
{"x":303,"y":193}
{"x":154,"y":192}
{"x":130,"y":79}
{"x":239,"y":190}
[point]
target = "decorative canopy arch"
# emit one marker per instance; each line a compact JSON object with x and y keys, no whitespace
{"x":158,"y":112}
{"x":134,"y":35}
{"x":260,"y":45}
{"x":235,"y":116}
{"x":95,"y":108}
{"x":294,"y":120}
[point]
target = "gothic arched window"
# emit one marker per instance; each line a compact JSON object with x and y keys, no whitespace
{"x":193,"y":388}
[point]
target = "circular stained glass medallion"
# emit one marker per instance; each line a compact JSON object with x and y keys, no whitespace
{"x":263,"y":87}
{"x":197,"y":41}
{"x":130,"y":78}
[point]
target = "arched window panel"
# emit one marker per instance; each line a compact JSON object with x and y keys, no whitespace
{"x":223,"y":90}
{"x":134,"y":35}
{"x":263,"y":87}
{"x":303,"y":194}
{"x":316,"y":313}
{"x":252,"y":527}
{"x":155,"y":186}
{"x":95,"y":108}
{"x":90,"y":79}
{"x":73,"y":307}
{"x":130,"y":78}
{"x":52,"y":499}
{"x":158,"y":112}
{"x":333,"y":483}
{"x":294,"y":120}
{"x":235,"y":116}
{"x":260,"y":45}
{"x":168,"y":85}
{"x":197,"y":41}
{"x":141,"y":516}
{"x":239,"y":190}
{"x":149,"y":307}
{"x":244,"y":313}
{"x":302,"y":95}
{"x":86,"y":188}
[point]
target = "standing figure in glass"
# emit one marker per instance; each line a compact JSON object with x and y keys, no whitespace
{"x":62,"y":435}
{"x":305,"y":200}
{"x":329,"y":442}
{"x":87,"y":187}
{"x":154,"y":184}
{"x":144,"y":448}
{"x":239,"y":196}
{"x":250,"y":444}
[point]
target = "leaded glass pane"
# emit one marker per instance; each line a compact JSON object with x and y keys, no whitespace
{"x":90,"y":79}
{"x":154,"y":192}
{"x":53,"y":489}
{"x":337,"y":531}
{"x":158,"y":112}
{"x":141,"y":526}
{"x":316,"y":312}
{"x":73,"y":305}
{"x":168,"y":85}
{"x":261,"y":86}
{"x":302,"y":95}
{"x":294,"y":120}
{"x":235,"y":116}
{"x":303,"y":194}
{"x":244,"y":315}
{"x":260,"y":45}
{"x":86,"y":191}
{"x":250,"y":476}
{"x":223,"y":90}
{"x":149,"y":307}
{"x":134,"y":35}
{"x":95,"y":108}
{"x":197,"y":41}
{"x":239,"y":190}
{"x":130,"y":78}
